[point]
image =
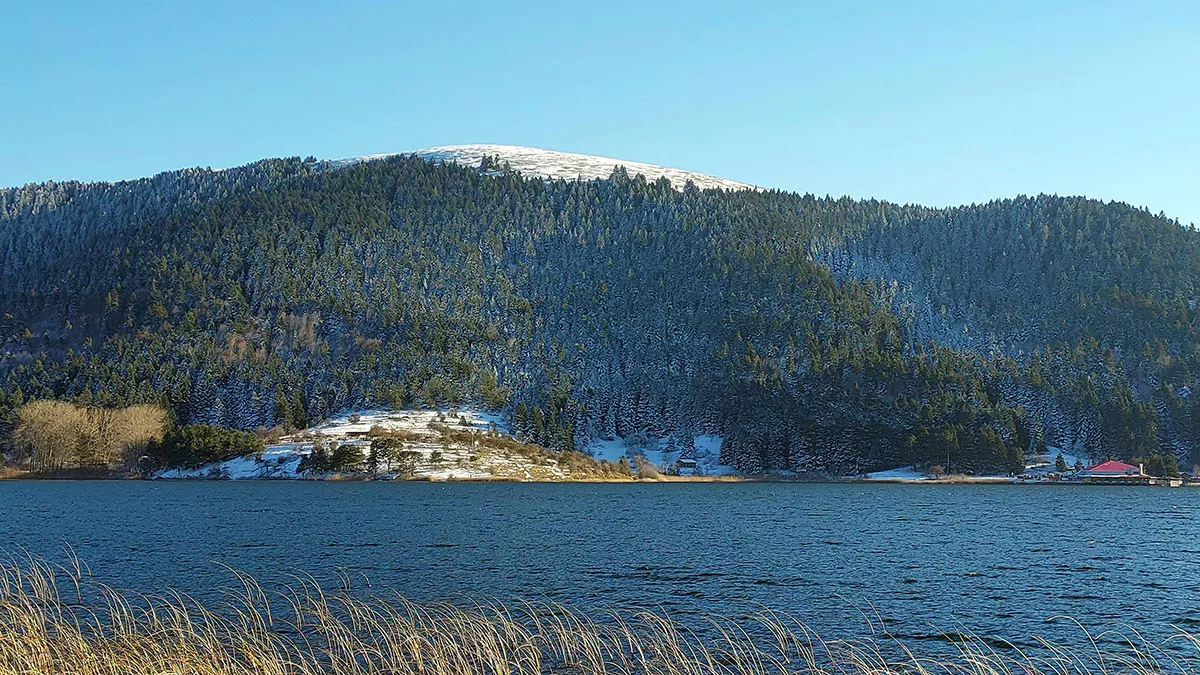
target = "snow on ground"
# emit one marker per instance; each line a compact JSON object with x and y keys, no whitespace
{"x":901,"y":473}
{"x":439,"y":458}
{"x":1043,"y":464}
{"x":276,"y":461}
{"x":553,"y":165}
{"x":429,"y":434}
{"x":706,"y":450}
{"x":416,"y":421}
{"x":611,"y":450}
{"x":653,"y":449}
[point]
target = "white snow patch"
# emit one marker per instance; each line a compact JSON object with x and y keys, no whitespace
{"x":707,"y":453}
{"x":706,"y":450}
{"x":707,"y":447}
{"x":900,"y":473}
{"x":1039,"y":465}
{"x":611,"y":450}
{"x":552,"y":164}
{"x":417,"y":421}
{"x":275,"y":461}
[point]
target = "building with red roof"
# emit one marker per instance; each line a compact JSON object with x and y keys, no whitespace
{"x":1114,"y":468}
{"x":1116,"y":473}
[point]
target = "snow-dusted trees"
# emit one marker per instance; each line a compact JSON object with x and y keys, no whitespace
{"x":815,"y":333}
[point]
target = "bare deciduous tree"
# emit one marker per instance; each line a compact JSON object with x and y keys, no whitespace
{"x":52,"y":435}
{"x":47,"y":433}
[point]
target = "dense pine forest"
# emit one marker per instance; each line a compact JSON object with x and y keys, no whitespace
{"x":814,"y":334}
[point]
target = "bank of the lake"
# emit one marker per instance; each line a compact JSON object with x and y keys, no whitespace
{"x":17,"y":474}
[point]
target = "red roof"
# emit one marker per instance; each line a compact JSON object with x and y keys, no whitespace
{"x":1114,"y":467}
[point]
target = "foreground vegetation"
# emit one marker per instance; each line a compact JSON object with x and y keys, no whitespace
{"x":52,"y":620}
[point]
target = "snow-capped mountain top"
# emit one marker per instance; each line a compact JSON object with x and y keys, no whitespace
{"x":554,"y":164}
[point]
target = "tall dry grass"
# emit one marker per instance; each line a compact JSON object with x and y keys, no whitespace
{"x":54,"y":620}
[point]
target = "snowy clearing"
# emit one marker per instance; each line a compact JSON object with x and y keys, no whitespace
{"x":1038,"y":465}
{"x":900,"y":473}
{"x":705,"y":451}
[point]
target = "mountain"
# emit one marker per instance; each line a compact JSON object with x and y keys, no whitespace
{"x":810,"y":334}
{"x":555,"y":165}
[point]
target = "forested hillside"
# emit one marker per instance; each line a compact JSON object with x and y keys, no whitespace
{"x":1097,"y":303}
{"x":813,"y":334}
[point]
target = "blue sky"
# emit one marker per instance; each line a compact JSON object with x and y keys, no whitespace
{"x":930,"y":102}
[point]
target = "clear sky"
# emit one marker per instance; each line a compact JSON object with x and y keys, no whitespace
{"x":930,"y":102}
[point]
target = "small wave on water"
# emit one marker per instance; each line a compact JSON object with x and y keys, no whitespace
{"x":958,"y":561}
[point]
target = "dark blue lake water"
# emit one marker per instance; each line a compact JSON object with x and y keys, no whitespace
{"x":996,"y":560}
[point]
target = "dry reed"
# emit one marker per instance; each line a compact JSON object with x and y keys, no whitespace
{"x":54,"y":620}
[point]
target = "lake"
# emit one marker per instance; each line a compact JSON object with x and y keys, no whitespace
{"x":921,"y":560}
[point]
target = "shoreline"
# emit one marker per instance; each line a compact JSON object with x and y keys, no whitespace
{"x":10,"y":474}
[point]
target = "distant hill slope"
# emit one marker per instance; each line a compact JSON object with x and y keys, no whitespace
{"x":535,"y":162}
{"x":811,"y":334}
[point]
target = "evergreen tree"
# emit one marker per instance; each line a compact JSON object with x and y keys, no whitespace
{"x":812,"y":333}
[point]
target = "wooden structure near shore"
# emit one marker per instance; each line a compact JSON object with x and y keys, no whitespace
{"x":1116,"y":473}
{"x":1120,"y":473}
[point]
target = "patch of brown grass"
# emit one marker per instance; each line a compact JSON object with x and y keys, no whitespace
{"x":8,"y":472}
{"x":52,"y":620}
